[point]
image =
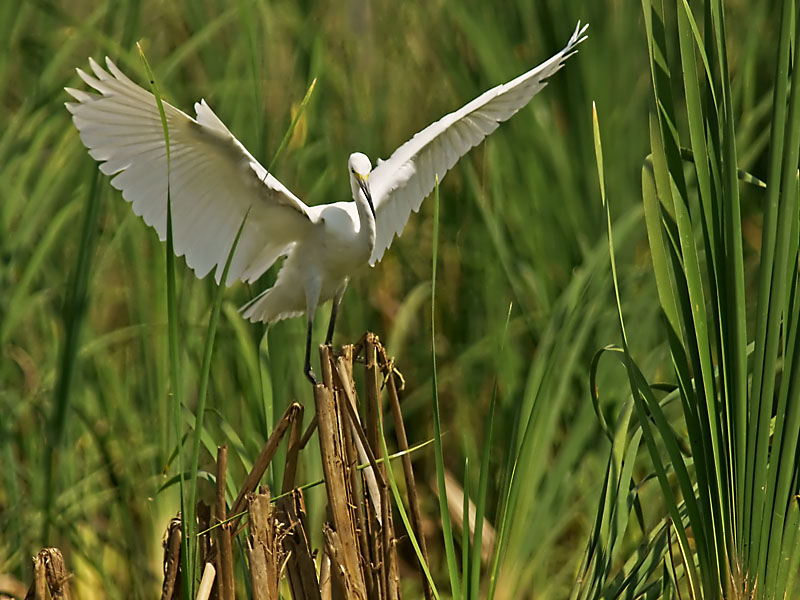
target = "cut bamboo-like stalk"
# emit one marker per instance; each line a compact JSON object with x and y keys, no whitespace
{"x":294,"y":449}
{"x":206,"y":583}
{"x":340,"y":574}
{"x":355,"y":454}
{"x":300,"y":567}
{"x":263,"y":548}
{"x":325,"y":578}
{"x":359,"y":558}
{"x":263,"y":460}
{"x":378,"y":515}
{"x":202,"y":513}
{"x":50,"y":573}
{"x":172,"y":560}
{"x":38,"y":589}
{"x":373,"y":475}
{"x":337,"y":482}
{"x":389,"y":561}
{"x":223,"y":532}
{"x":408,"y":471}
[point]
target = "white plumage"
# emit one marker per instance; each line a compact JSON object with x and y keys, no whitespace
{"x":214,"y":182}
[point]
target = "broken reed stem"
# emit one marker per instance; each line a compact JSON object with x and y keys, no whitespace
{"x":38,"y":589}
{"x":263,"y":460}
{"x":325,"y":586}
{"x":172,"y":560}
{"x":378,"y":515}
{"x":374,"y":405}
{"x":359,"y":558}
{"x":355,"y":454}
{"x":263,"y":547}
{"x":365,"y":446}
{"x":207,"y":582}
{"x":222,"y":532}
{"x":300,"y":567}
{"x":332,"y":450}
{"x":50,"y":574}
{"x":408,"y":471}
{"x":203,"y":518}
{"x":293,"y":451}
{"x":312,"y":427}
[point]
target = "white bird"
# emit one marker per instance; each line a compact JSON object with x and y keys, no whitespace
{"x":214,"y":183}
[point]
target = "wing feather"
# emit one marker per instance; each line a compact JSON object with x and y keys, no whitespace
{"x":213,"y":181}
{"x":400,"y":184}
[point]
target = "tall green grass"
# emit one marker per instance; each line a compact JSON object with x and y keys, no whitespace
{"x":519,"y":224}
{"x":722,"y":443}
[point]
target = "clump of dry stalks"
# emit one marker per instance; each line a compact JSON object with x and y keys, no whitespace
{"x":359,"y":558}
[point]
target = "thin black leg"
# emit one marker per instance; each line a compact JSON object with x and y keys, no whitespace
{"x":332,"y":322}
{"x":337,"y":300}
{"x":307,"y":367}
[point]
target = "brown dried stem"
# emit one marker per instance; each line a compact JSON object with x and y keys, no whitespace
{"x":331,"y":442}
{"x":225,"y":583}
{"x":171,"y":586}
{"x":408,"y":471}
{"x":263,"y":547}
{"x":263,"y":460}
{"x":300,"y":567}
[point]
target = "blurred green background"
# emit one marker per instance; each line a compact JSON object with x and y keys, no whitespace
{"x":521,"y":225}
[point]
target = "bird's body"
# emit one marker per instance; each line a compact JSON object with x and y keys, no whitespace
{"x":217,"y":187}
{"x":336,"y":246}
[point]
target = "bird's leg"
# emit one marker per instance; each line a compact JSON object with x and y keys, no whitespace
{"x":332,"y":322}
{"x":307,"y":366}
{"x":337,"y":299}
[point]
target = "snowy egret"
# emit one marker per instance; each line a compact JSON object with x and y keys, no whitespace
{"x":215,"y":182}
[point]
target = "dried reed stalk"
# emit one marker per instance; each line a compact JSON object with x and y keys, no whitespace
{"x":171,"y":586}
{"x":359,"y":559}
{"x":415,"y":517}
{"x":263,"y":460}
{"x":340,"y":500}
{"x":50,"y":574}
{"x":207,"y":582}
{"x":344,"y":390}
{"x":300,"y":568}
{"x":293,"y":451}
{"x":222,"y":532}
{"x":206,"y":548}
{"x":264,"y":549}
{"x":38,"y":589}
{"x":374,"y":410}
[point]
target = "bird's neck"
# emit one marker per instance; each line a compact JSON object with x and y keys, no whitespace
{"x":365,"y":218}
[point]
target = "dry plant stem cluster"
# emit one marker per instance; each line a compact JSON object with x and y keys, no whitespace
{"x":359,"y":558}
{"x":50,"y":575}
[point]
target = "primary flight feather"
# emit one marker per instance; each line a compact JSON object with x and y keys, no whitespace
{"x":214,"y":183}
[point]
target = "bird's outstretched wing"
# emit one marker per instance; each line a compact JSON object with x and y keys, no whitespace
{"x":400,"y":183}
{"x":213,"y":180}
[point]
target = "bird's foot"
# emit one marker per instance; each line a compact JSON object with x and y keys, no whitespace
{"x":309,"y":373}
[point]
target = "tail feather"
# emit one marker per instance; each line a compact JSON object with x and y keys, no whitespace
{"x":270,"y":306}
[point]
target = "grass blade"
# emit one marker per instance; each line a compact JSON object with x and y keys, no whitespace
{"x":74,"y":313}
{"x":483,"y":483}
{"x":187,"y":558}
{"x":288,"y":135}
{"x":444,"y":510}
{"x":465,"y":537}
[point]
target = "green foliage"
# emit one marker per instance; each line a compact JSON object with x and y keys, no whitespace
{"x":726,"y":456}
{"x":93,"y":397}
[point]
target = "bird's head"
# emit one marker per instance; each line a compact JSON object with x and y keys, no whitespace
{"x":360,"y":167}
